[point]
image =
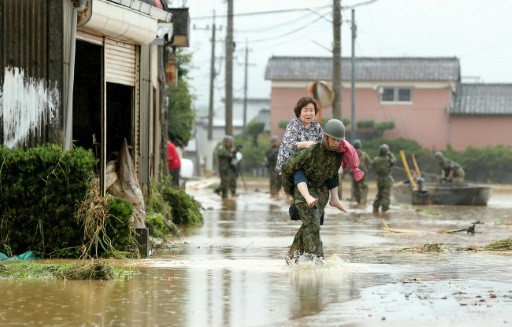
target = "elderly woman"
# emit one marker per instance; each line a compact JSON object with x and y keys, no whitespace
{"x":302,"y":132}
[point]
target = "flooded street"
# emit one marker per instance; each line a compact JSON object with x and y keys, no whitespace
{"x":232,"y":272}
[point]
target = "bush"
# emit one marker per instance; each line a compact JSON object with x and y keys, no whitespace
{"x":106,"y":225}
{"x":159,"y":213}
{"x":185,"y":209}
{"x":40,"y":189}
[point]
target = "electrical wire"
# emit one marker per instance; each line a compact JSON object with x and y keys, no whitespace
{"x":269,"y":12}
{"x":259,"y":29}
{"x":301,"y":28}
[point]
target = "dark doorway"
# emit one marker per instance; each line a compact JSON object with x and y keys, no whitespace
{"x":87,"y":104}
{"x":119,"y":117}
{"x":87,"y":96}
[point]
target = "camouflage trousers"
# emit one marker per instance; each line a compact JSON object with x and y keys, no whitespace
{"x":228,"y":179}
{"x":307,"y":239}
{"x":383,"y":198}
{"x":360,"y":190}
{"x":276,"y":182}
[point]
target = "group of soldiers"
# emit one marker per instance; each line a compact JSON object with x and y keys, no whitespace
{"x":229,"y":157}
{"x":319,"y":165}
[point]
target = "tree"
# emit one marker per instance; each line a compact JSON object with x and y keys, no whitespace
{"x":254,"y":129}
{"x":180,"y":117}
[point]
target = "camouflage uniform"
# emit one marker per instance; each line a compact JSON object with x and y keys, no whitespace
{"x":227,"y":171}
{"x":447,"y":166}
{"x":275,"y":178}
{"x":361,"y":187}
{"x":320,"y":166}
{"x":383,"y":165}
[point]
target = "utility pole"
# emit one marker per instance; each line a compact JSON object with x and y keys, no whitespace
{"x":229,"y":70}
{"x":212,"y":81}
{"x":245,"y":81}
{"x":352,"y":80}
{"x":336,"y":59}
{"x":210,"y":142}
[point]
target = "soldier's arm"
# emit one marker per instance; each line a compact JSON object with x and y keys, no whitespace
{"x":392,"y":159}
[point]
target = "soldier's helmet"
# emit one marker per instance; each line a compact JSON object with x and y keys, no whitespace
{"x":274,"y":138}
{"x":228,"y":138}
{"x":438,"y":155}
{"x":383,"y":149}
{"x":357,"y":144}
{"x":335,"y":129}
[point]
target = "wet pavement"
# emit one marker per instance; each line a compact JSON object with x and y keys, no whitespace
{"x":232,"y":272}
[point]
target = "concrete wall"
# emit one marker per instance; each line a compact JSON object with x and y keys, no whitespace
{"x":485,"y":131}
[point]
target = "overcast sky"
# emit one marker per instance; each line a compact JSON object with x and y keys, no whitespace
{"x":478,"y":32}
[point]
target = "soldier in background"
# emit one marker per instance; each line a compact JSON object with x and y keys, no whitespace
{"x":451,"y":171}
{"x":276,"y":181}
{"x":361,"y":187}
{"x":383,"y":165}
{"x":226,"y":151}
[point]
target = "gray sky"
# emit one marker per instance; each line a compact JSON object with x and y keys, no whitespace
{"x":478,"y":32}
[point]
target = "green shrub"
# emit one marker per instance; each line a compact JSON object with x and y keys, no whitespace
{"x":385,"y":125}
{"x":106,"y":224}
{"x":159,"y":213}
{"x":119,"y":228}
{"x":39,"y":191}
{"x":185,"y":209}
{"x":365,"y":124}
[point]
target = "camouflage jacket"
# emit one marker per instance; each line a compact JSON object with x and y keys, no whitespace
{"x":225,"y":156}
{"x":318,"y":163}
{"x":448,"y":165}
{"x":383,"y":164}
{"x":271,"y":157}
{"x":365,"y":162}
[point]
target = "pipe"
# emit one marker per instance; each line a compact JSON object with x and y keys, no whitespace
{"x":68,"y":127}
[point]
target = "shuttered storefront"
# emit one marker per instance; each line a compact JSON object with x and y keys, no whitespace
{"x":119,"y":58}
{"x":119,"y":62}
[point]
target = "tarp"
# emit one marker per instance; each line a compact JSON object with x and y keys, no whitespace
{"x":27,"y":255}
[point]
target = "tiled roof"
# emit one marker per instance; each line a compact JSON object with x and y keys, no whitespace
{"x":366,"y":69}
{"x":483,"y":99}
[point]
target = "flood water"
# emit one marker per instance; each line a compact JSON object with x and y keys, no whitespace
{"x":232,"y":272}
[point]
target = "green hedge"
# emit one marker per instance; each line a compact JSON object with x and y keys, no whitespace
{"x":39,"y":191}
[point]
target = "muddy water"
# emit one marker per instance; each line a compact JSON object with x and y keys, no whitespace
{"x":231,"y":272}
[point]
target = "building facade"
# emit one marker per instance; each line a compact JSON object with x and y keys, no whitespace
{"x":87,"y":73}
{"x":421,"y":96}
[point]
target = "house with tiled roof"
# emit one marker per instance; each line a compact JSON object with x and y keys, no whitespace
{"x":481,"y":115}
{"x":418,"y":94}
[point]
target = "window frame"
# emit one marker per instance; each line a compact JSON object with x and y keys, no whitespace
{"x":396,"y":94}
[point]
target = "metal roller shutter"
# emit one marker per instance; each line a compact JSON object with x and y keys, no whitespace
{"x":89,"y":37}
{"x":119,"y":62}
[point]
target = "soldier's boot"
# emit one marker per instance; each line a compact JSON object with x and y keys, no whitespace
{"x":375,"y":211}
{"x":292,"y":257}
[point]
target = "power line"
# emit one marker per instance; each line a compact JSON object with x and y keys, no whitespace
{"x":300,"y":28}
{"x":270,"y":12}
{"x":259,"y":29}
